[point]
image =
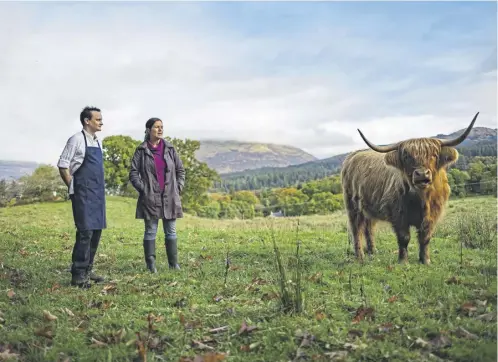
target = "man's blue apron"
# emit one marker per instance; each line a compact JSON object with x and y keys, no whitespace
{"x":88,"y":198}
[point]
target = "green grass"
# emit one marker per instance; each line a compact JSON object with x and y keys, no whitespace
{"x":378,"y":311}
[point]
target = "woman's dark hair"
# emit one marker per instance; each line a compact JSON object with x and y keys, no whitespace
{"x":148,"y":126}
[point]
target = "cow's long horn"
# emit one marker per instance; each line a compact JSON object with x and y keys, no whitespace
{"x":382,"y":149}
{"x":462,"y":137}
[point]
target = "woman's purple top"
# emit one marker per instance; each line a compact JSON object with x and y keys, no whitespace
{"x":159,"y":161}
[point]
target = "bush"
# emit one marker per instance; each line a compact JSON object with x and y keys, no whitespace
{"x":477,"y":230}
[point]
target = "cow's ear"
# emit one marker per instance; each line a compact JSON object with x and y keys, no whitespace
{"x":447,"y":156}
{"x":392,"y":159}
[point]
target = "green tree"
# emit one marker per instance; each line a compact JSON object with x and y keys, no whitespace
{"x":458,"y":182}
{"x":118,"y":153}
{"x":211,"y":210}
{"x":245,"y":196}
{"x":44,"y":184}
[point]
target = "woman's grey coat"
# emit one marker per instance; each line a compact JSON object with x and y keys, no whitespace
{"x":151,"y":204}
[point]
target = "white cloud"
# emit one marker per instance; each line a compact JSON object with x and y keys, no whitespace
{"x":207,"y":81}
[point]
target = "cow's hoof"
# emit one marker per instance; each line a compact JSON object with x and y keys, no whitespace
{"x":403,"y":260}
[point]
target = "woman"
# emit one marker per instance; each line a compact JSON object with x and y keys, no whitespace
{"x":157,"y":173}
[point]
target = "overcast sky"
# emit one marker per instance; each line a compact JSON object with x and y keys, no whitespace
{"x":302,"y":74}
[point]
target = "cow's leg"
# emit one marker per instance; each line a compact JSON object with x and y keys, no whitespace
{"x":424,"y":238}
{"x":356,"y":225}
{"x":403,"y":236}
{"x":369,"y":235}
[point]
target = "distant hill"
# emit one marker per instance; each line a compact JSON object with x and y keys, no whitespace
{"x":477,"y":135}
{"x":234,"y":156}
{"x":15,"y":169}
{"x":480,"y":142}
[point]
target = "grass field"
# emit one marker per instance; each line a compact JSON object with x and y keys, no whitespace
{"x":378,"y":311}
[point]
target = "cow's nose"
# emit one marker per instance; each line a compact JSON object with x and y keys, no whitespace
{"x":423,"y":173}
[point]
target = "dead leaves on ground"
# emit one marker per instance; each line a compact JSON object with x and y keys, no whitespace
{"x":7,"y":354}
{"x":208,"y":357}
{"x":336,"y":352}
{"x":477,"y":309}
{"x":363,"y":313}
{"x":437,"y":342}
{"x":49,"y":316}
{"x":109,"y":338}
{"x":255,"y":283}
{"x":109,"y":289}
{"x":45,"y":331}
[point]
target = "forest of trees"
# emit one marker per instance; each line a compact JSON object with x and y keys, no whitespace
{"x":474,"y":174}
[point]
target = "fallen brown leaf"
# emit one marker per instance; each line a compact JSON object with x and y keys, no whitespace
{"x":363,"y":313}
{"x":108,"y":288}
{"x":488,"y":317}
{"x":392,"y":299}
{"x":320,"y":316}
{"x":209,"y":357}
{"x":68,"y":312}
{"x":54,"y":287}
{"x":419,"y":342}
{"x":219,"y":329}
{"x":463,"y":333}
{"x":201,"y":346}
{"x":386,"y":327}
{"x":317,"y":277}
{"x":45,"y":332}
{"x":453,"y":280}
{"x":245,"y":329}
{"x":217,"y":298}
{"x":49,"y":316}
{"x":468,"y":308}
{"x":8,"y":356}
{"x":97,"y":343}
{"x":336,"y":356}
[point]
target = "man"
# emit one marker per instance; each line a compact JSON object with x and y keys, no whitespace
{"x":81,"y":168}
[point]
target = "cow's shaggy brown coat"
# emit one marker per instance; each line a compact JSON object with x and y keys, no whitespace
{"x":404,"y":184}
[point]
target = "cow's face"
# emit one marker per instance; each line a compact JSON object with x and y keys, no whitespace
{"x":420,"y":160}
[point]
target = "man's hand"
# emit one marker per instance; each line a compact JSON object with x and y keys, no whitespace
{"x":66,"y":177}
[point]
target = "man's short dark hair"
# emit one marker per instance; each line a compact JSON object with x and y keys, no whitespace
{"x":87,"y":113}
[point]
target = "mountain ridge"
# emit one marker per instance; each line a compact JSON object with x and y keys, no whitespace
{"x":227,"y":156}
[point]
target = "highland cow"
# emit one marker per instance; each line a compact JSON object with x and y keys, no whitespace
{"x":404,"y":184}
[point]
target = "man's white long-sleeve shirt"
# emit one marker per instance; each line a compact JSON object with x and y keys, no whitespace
{"x":73,"y":154}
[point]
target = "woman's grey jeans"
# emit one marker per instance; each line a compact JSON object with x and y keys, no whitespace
{"x":169,"y":227}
